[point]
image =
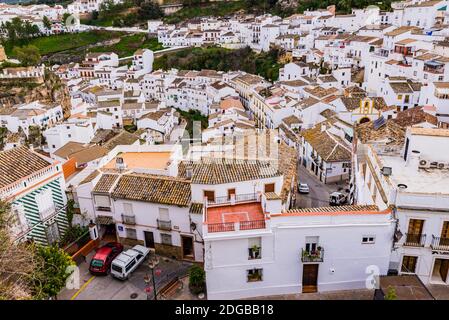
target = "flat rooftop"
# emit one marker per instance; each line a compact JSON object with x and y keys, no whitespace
{"x":417,"y":180}
{"x":223,"y":218}
{"x":142,"y":160}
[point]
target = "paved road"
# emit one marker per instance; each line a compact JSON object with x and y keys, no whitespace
{"x":319,"y":192}
{"x":109,"y":288}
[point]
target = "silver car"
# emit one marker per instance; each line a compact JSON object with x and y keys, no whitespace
{"x":303,"y":188}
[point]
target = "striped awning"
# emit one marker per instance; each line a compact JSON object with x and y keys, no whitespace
{"x":104,"y":220}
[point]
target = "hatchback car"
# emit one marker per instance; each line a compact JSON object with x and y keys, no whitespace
{"x":101,"y":261}
{"x":303,"y":188}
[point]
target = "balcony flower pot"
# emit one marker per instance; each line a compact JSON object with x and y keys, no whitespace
{"x":255,"y":252}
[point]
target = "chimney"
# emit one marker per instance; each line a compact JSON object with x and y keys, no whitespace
{"x":323,"y":127}
{"x":413,"y":159}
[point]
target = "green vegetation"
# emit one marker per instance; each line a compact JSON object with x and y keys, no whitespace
{"x":29,"y":271}
{"x":197,"y":279}
{"x":126,"y":14}
{"x":52,"y":272}
{"x":61,"y":42}
{"x":391,"y":294}
{"x":191,"y":117}
{"x":28,"y":55}
{"x":129,"y":44}
{"x":72,"y":234}
{"x":131,"y":128}
{"x":264,"y":64}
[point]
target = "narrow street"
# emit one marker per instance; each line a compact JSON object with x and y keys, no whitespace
{"x":319,"y":192}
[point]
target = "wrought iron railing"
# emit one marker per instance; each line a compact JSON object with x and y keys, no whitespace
{"x":128,"y":219}
{"x":440,"y":243}
{"x":164,"y":224}
{"x":415,"y":240}
{"x":312,"y":255}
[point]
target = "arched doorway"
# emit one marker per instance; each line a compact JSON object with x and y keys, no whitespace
{"x":364,"y":120}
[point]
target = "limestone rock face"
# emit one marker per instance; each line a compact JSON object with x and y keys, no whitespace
{"x":49,"y":89}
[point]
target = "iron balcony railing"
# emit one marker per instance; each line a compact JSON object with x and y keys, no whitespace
{"x":440,"y":243}
{"x":312,"y":255}
{"x":164,"y":224}
{"x":127,"y":219}
{"x":415,"y":240}
{"x":106,"y":209}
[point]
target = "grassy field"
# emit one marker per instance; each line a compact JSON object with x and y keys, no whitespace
{"x":129,"y":44}
{"x":62,"y":42}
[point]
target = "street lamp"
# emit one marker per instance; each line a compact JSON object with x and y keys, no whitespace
{"x":152,"y":263}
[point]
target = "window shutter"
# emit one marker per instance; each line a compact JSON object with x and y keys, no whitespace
{"x":102,"y":201}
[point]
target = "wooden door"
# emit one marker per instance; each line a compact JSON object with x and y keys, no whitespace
{"x":269,"y":187}
{"x":210,"y":195}
{"x":149,"y":239}
{"x":310,"y":278}
{"x":415,"y":226}
{"x":187,"y":247}
{"x":230,"y":193}
{"x":444,"y":267}
{"x":444,"y":237}
{"x":445,"y":230}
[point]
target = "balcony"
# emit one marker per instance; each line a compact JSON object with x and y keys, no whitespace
{"x":105,"y":209}
{"x":434,"y":69}
{"x":235,"y":226}
{"x":164,"y":224}
{"x":248,"y":197}
{"x":313,"y":256}
{"x":415,"y":240}
{"x":126,"y":219}
{"x":439,"y":243}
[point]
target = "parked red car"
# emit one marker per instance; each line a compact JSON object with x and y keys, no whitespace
{"x":101,"y":261}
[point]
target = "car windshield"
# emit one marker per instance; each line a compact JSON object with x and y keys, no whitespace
{"x":117,"y":268}
{"x":96,"y":263}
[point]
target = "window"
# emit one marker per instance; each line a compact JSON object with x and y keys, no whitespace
{"x":166,"y":239}
{"x":52,"y":233}
{"x":131,"y":233}
{"x":269,"y":187}
{"x":163,"y":214}
{"x":210,"y":195}
{"x":130,"y":265}
{"x":368,"y":239}
{"x":399,"y":96}
{"x":409,"y":264}
{"x":255,"y":248}
{"x":231,"y":192}
{"x":102,"y":201}
{"x":254,"y":275}
{"x":128,"y":209}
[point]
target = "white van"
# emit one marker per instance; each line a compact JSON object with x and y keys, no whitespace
{"x":128,"y":261}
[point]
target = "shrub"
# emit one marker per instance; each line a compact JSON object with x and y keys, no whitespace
{"x":197,"y":279}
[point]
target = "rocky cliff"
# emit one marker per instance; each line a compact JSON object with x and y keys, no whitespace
{"x":49,"y":89}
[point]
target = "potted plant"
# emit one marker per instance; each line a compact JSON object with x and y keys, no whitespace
{"x":255,"y":252}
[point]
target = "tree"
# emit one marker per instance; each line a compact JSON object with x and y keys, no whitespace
{"x":52,"y":273}
{"x":66,"y":18}
{"x":17,"y":260}
{"x":197,"y":278}
{"x":27,"y":55}
{"x":46,"y":22}
{"x":150,"y":10}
